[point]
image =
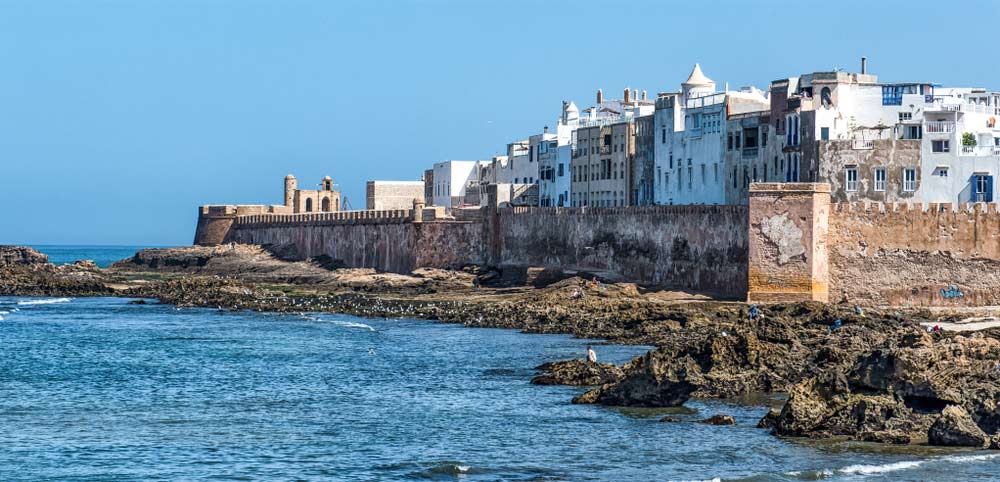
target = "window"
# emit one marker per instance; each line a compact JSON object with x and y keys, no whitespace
{"x":663,"y":136}
{"x":560,"y":171}
{"x":909,"y":179}
{"x":940,"y":146}
{"x":982,"y":186}
{"x":729,"y":142}
{"x":851,"y":178}
{"x":880,"y":179}
{"x":824,"y":132}
{"x":690,"y":175}
{"x":905,"y":116}
{"x":942,"y":171}
{"x":703,"y":177}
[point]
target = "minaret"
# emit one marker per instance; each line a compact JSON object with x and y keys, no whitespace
{"x":291,"y":185}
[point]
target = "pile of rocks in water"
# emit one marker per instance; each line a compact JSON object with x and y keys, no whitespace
{"x":21,"y":256}
{"x":26,"y":272}
{"x":940,"y":388}
{"x":577,"y":372}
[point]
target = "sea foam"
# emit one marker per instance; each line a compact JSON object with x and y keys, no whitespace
{"x":47,"y":301}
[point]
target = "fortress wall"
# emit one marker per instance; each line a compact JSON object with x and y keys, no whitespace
{"x":922,"y":255}
{"x":700,"y":248}
{"x":383,"y":240}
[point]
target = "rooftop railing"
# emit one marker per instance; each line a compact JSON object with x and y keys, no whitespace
{"x":862,"y":144}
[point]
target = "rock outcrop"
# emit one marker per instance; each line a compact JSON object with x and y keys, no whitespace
{"x":917,"y":387}
{"x":956,"y":428}
{"x":718,"y":420}
{"x":577,"y":373}
{"x":21,"y":256}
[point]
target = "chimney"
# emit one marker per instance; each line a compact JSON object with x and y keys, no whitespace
{"x":864,"y":65}
{"x":635,"y":95}
{"x":545,"y":130}
{"x":600,"y":97}
{"x":644,"y":95}
{"x":627,"y":93}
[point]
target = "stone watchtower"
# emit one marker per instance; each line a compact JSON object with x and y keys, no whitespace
{"x":291,"y":185}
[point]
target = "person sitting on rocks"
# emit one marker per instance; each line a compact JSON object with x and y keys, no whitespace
{"x":591,"y":354}
{"x":858,"y":311}
{"x":754,"y":312}
{"x":836,"y":326}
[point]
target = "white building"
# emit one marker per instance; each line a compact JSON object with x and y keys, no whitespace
{"x":452,"y":180}
{"x":554,"y":157}
{"x":690,"y":142}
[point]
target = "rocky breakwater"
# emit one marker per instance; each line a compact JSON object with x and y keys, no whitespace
{"x":939,"y":388}
{"x":26,"y":272}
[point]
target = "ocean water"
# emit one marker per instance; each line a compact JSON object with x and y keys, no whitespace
{"x":97,"y":389}
{"x":102,"y":255}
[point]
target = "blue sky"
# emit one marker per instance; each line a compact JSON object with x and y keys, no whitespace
{"x":118,"y":118}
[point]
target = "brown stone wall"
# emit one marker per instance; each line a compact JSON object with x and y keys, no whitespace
{"x":892,"y":154}
{"x":901,"y":254}
{"x":788,"y":242}
{"x":214,"y":223}
{"x":384,"y":243}
{"x":699,"y":248}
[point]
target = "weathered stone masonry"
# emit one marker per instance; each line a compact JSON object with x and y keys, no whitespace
{"x":791,"y":243}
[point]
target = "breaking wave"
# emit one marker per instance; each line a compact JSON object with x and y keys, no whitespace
{"x":873,"y":470}
{"x":47,"y":301}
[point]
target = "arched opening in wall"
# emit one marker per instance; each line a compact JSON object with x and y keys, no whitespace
{"x":309,"y":205}
{"x":326,"y":205}
{"x":336,"y":204}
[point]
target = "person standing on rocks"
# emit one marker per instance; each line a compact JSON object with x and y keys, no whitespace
{"x":591,"y":354}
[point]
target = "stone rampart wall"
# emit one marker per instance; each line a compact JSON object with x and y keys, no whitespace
{"x":701,"y":248}
{"x":915,"y":255}
{"x":383,"y":243}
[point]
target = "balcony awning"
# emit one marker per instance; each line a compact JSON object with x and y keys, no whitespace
{"x":942,"y":166}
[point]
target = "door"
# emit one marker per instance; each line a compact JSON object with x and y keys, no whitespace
{"x":982,"y":188}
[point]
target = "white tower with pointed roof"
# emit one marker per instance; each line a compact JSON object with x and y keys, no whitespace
{"x":697,"y":84}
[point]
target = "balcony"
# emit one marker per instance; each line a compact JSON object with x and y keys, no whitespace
{"x":940,"y":127}
{"x":980,"y":151}
{"x":605,"y":150}
{"x":750,"y":153}
{"x":862,"y":145}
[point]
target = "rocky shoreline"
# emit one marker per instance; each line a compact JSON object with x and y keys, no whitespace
{"x":874,"y":376}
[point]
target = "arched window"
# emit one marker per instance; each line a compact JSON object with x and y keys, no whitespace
{"x":309,"y":205}
{"x":825,"y":97}
{"x":326,"y":205}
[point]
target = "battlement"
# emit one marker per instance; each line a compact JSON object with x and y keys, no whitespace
{"x":623,"y":210}
{"x":341,"y":217}
{"x":925,"y":208}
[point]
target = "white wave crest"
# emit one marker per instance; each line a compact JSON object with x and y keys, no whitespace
{"x":462,"y":468}
{"x":350,"y":324}
{"x":47,"y":301}
{"x":4,"y":313}
{"x":971,"y":458}
{"x":880,"y":469}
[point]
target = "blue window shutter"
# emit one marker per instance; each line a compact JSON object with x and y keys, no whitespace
{"x":972,"y":191}
{"x":989,"y":189}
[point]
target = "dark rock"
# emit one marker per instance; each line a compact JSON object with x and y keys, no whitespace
{"x":577,"y":373}
{"x":718,"y":420}
{"x":769,"y":419}
{"x":956,"y":428}
{"x":668,"y":418}
{"x":137,"y":302}
{"x":21,"y":256}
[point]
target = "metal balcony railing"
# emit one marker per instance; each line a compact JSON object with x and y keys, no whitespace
{"x":862,"y":144}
